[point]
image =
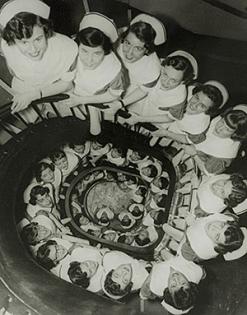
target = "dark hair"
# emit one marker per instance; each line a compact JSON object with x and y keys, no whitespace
{"x":239,"y":191}
{"x":213,"y":93}
{"x":164,"y":182}
{"x":113,"y":288}
{"x":94,"y":37}
{"x":142,"y":242}
{"x":125,"y":221}
{"x":162,"y":202}
{"x":180,"y":63}
{"x":142,"y":190}
{"x":183,"y":298}
{"x":136,"y":211}
{"x":237,"y":120}
{"x":122,"y":239}
{"x":120,"y":151}
{"x":145,"y":33}
{"x":160,"y":219}
{"x":37,"y":190}
{"x":43,"y":253}
{"x":21,"y":26}
{"x":29,"y":234}
{"x":234,"y":238}
{"x":154,"y":171}
{"x":40,"y":167}
{"x":77,"y":276}
{"x":55,"y":156}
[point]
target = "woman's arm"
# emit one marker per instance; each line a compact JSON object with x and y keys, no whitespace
{"x":163,"y":118}
{"x":174,"y":136}
{"x":145,"y":292}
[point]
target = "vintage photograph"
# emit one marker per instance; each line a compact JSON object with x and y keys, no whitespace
{"x":123,"y":157}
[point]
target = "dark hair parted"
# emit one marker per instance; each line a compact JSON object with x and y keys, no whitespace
{"x":77,"y":276}
{"x":113,"y":288}
{"x":29,"y":234}
{"x":183,"y":298}
{"x":93,"y":37}
{"x":238,"y":193}
{"x":58,"y":155}
{"x":180,"y":63}
{"x":37,"y":190}
{"x":40,"y":167}
{"x":233,"y":238}
{"x":237,"y":120}
{"x":145,"y":33}
{"x":21,"y":26}
{"x":213,"y":93}
{"x":142,"y":242}
{"x":43,"y":253}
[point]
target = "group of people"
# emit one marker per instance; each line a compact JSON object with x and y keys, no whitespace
{"x":119,"y":77}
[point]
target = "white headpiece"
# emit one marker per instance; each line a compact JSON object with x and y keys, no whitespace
{"x":191,"y":58}
{"x":222,"y":89}
{"x":102,"y":23}
{"x":174,"y":310}
{"x":242,"y":107}
{"x":12,"y":7}
{"x":159,"y":28}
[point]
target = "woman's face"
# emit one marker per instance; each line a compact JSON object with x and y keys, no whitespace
{"x":110,"y":236}
{"x":44,"y":200}
{"x":57,"y":252}
{"x":198,"y":103}
{"x":170,"y":77}
{"x":91,"y":57}
{"x":222,"y":130}
{"x":176,"y":281}
{"x":122,"y":275}
{"x":146,"y":171}
{"x":43,"y":233}
{"x":133,"y":48}
{"x":47,"y":175}
{"x":34,"y":47}
{"x":90,"y":267}
{"x":222,"y":188}
{"x":216,"y":231}
{"x":62,"y":163}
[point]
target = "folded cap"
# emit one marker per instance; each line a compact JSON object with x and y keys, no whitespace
{"x":159,"y":28}
{"x":13,"y":7}
{"x":191,"y":58}
{"x":171,"y":309}
{"x":242,"y":107}
{"x":222,"y":90}
{"x":101,"y":22}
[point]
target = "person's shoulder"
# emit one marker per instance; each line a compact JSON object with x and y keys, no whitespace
{"x":63,"y":41}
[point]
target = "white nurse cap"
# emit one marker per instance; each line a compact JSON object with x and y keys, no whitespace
{"x":161,"y":35}
{"x":101,"y":22}
{"x":191,"y":58}
{"x":222,"y":90}
{"x":12,"y":7}
{"x":242,"y":107}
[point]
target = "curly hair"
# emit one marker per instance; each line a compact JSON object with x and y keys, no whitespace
{"x":29,"y":234}
{"x":113,"y":288}
{"x":237,"y":120}
{"x":43,"y":253}
{"x":144,"y":32}
{"x":40,"y":167}
{"x":233,"y":238}
{"x":77,"y":276}
{"x":37,"y":190}
{"x":183,"y":298}
{"x":238,"y":193}
{"x":213,"y":93}
{"x":94,"y":37}
{"x":180,"y":63}
{"x":21,"y":26}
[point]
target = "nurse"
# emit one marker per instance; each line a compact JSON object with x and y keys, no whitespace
{"x":40,"y":60}
{"x":99,"y":75}
{"x":176,"y":282}
{"x":221,"y":142}
{"x":218,"y":192}
{"x":203,"y":102}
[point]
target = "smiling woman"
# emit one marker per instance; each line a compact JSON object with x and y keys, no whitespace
{"x":39,"y":59}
